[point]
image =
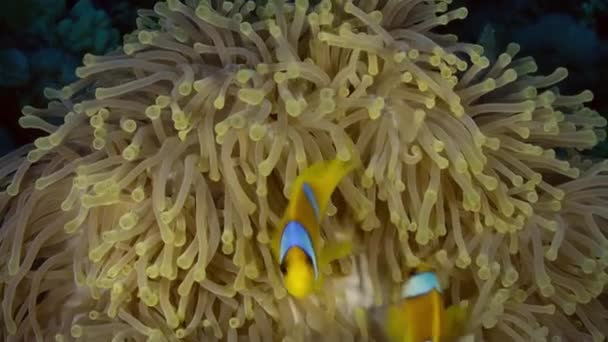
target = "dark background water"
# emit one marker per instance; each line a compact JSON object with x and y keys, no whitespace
{"x":42,"y":42}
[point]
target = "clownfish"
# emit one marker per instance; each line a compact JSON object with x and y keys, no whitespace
{"x":421,"y":315}
{"x":296,"y":241}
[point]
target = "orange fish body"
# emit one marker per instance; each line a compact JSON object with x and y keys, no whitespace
{"x":298,"y":237}
{"x":421,"y":316}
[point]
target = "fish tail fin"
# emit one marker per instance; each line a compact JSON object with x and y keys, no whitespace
{"x":323,"y":177}
{"x":456,"y":317}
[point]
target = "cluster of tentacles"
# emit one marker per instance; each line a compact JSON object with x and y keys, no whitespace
{"x":147,"y":214}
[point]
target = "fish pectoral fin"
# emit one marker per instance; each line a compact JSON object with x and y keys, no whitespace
{"x":275,"y":243}
{"x":395,"y":329}
{"x":336,"y":250}
{"x":319,"y":282}
{"x":456,"y":317}
{"x":331,"y":252}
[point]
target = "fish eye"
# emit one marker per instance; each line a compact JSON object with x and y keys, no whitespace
{"x":283,"y":268}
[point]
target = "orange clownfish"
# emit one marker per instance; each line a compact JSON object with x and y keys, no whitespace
{"x":421,"y":315}
{"x":297,"y":239}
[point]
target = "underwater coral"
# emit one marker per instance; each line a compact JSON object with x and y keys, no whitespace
{"x":147,"y":213}
{"x":44,"y":43}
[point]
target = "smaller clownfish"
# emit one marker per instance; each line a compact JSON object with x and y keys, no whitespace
{"x":296,"y":241}
{"x":421,"y":315}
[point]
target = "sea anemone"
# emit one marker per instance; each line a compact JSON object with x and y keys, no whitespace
{"x":147,"y":213}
